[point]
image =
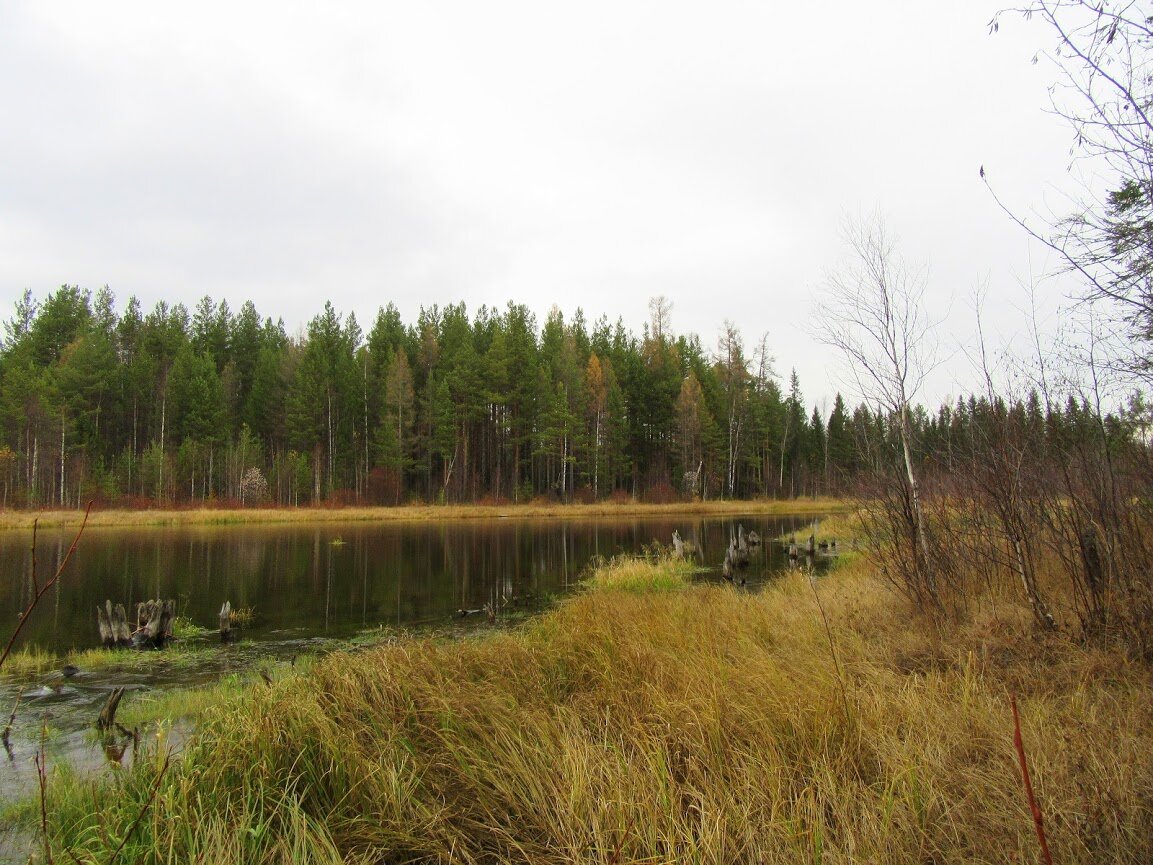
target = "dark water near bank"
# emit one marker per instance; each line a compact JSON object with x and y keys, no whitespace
{"x":332,"y":578}
{"x":308,"y":586}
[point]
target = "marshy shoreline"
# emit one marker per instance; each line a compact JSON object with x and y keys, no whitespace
{"x":655,"y":717}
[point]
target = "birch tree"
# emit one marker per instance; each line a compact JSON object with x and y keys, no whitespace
{"x":873,"y":312}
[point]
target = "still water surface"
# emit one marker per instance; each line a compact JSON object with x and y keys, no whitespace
{"x":333,"y":579}
{"x":308,"y":585}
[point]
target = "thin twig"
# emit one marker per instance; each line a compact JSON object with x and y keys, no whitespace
{"x":8,"y":727}
{"x":42,"y":590}
{"x":41,"y":760}
{"x":1038,"y":819}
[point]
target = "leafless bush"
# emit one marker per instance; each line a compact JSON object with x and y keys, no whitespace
{"x":253,"y":487}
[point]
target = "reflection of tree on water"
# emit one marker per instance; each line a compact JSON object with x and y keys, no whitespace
{"x":404,"y":573}
{"x":327,"y":585}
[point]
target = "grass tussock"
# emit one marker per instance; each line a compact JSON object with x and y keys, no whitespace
{"x":253,"y":516}
{"x":700,"y":725}
{"x":630,"y":574}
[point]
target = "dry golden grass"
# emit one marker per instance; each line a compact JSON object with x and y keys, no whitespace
{"x":695,"y":723}
{"x":222,"y":516}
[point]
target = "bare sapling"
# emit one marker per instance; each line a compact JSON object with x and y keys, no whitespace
{"x":873,"y":312}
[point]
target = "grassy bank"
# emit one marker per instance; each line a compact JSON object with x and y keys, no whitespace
{"x":650,"y":719}
{"x":31,"y":660}
{"x":253,"y":516}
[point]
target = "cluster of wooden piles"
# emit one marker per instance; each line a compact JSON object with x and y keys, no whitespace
{"x":811,"y":547}
{"x":152,"y":626}
{"x":737,"y":555}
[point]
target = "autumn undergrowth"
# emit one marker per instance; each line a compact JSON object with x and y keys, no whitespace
{"x":657,"y":718}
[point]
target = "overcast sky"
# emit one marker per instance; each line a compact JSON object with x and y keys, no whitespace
{"x":593,"y":154}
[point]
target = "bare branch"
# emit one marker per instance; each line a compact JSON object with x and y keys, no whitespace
{"x":42,"y":590}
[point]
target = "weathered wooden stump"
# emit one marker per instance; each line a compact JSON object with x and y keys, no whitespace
{"x":684,"y":549}
{"x":739,"y":554}
{"x":113,"y":625}
{"x":153,"y":623}
{"x":226,"y":634}
{"x":107,"y":718}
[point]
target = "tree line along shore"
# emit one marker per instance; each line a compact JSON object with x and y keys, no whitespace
{"x":172,"y":408}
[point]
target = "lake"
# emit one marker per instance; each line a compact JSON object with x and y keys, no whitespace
{"x":308,"y":587}
{"x":333,"y":579}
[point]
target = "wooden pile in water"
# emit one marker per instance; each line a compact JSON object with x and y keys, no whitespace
{"x":153,"y":624}
{"x":684,"y":549}
{"x":113,"y":625}
{"x":226,"y":634}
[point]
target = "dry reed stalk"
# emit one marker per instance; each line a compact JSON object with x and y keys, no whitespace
{"x":832,"y":649}
{"x":1034,"y":808}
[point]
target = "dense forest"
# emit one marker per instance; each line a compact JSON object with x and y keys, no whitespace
{"x":171,"y":408}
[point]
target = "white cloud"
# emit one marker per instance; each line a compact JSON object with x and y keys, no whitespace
{"x":593,"y":155}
